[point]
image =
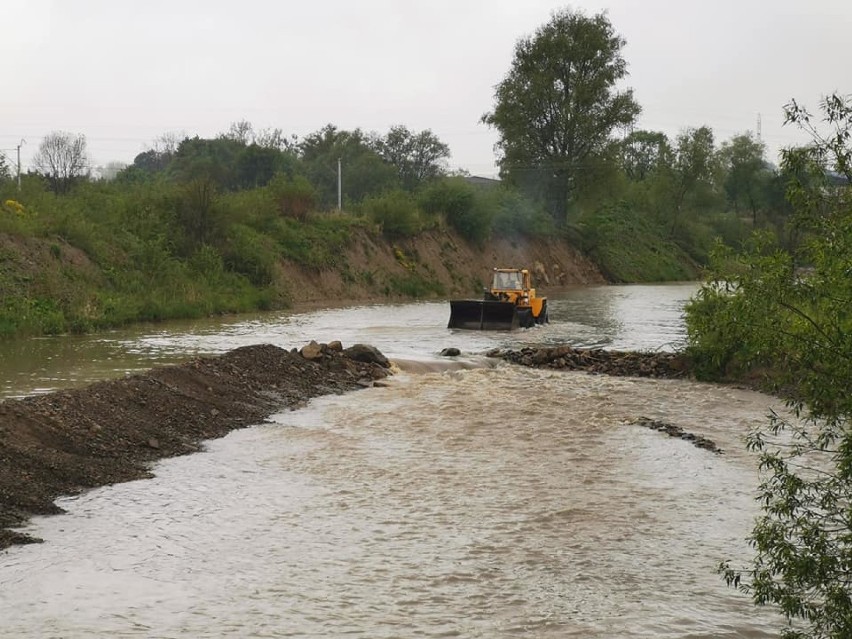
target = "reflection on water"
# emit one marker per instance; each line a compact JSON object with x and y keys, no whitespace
{"x":620,"y":317}
{"x":634,"y":317}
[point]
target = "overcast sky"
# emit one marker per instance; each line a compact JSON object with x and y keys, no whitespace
{"x":124,"y":73}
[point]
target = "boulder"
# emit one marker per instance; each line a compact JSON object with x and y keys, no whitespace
{"x":367,"y":354}
{"x":450,"y":352}
{"x":312,"y":351}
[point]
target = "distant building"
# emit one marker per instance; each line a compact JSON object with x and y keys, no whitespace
{"x":485,"y":182}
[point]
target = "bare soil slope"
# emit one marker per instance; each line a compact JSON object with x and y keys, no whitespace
{"x":369,"y":264}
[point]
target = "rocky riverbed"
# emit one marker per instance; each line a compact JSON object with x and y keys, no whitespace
{"x":109,"y":432}
{"x":629,"y":363}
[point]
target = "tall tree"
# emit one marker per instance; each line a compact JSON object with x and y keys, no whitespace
{"x":62,"y":159}
{"x":559,"y":105}
{"x":241,"y":131}
{"x":762,"y":312}
{"x":644,"y":153}
{"x":693,"y":171}
{"x":417,"y":157}
{"x":747,"y":175}
{"x":215,"y":160}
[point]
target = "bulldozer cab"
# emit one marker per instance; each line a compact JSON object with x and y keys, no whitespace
{"x":507,"y":281}
{"x":509,"y":285}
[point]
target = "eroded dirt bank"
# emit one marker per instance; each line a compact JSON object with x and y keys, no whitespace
{"x":109,"y":432}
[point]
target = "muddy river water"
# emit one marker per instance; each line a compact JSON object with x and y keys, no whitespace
{"x":465,"y":499}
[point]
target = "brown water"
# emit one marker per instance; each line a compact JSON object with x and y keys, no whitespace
{"x":457,"y":502}
{"x":625,"y":317}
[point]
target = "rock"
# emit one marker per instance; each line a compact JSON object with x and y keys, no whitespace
{"x":540,"y":273}
{"x":677,"y":432}
{"x":366,"y":354}
{"x":153,"y":443}
{"x":450,"y":352}
{"x":335,"y":346}
{"x":311,"y":351}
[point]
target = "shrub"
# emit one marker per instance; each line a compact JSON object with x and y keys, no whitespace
{"x":294,"y":197}
{"x":518,"y":215}
{"x":395,"y":212}
{"x":248,"y":252}
{"x":465,"y":209}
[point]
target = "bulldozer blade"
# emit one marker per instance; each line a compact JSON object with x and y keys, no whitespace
{"x":483,"y":315}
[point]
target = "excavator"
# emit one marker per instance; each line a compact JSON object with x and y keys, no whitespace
{"x":510,"y":302}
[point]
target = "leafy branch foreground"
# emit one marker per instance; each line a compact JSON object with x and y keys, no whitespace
{"x":790,"y":313}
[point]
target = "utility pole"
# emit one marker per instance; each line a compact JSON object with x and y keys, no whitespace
{"x":758,"y":127}
{"x":19,"y":164}
{"x":339,"y":186}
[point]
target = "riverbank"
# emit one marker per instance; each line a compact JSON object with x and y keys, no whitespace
{"x":69,"y":441}
{"x":50,"y":286}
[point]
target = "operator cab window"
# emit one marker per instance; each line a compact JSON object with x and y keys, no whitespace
{"x":508,"y":281}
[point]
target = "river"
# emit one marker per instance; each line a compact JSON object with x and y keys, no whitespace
{"x":465,"y":499}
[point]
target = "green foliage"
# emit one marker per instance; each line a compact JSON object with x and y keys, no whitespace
{"x":747,"y":178}
{"x":630,"y":248}
{"x":213,"y":162}
{"x":764,"y":310}
{"x":516,"y":215}
{"x":417,"y":157}
{"x":645,"y":154}
{"x":396,"y":213}
{"x":251,"y":254}
{"x":414,"y":285}
{"x":692,"y":176}
{"x":318,"y":243}
{"x":558,"y":105}
{"x":467,"y":210}
{"x":255,"y":166}
{"x":22,"y":315}
{"x":197,"y":213}
{"x":294,"y":197}
{"x":364,"y":172}
{"x":207,"y":262}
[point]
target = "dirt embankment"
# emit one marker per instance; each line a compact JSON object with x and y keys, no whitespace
{"x":109,"y":432}
{"x":441,"y":257}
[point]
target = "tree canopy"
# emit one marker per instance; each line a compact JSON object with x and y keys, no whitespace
{"x":417,"y":157}
{"x":558,"y":105}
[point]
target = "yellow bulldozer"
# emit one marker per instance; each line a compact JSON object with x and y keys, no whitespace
{"x":510,"y":302}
